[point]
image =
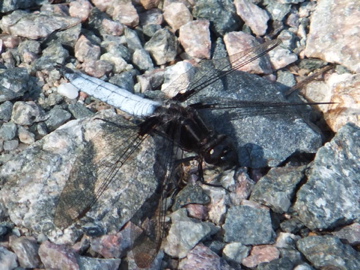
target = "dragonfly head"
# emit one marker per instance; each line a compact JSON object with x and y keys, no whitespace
{"x":221,"y":152}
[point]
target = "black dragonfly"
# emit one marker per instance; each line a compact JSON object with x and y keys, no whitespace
{"x":181,"y":126}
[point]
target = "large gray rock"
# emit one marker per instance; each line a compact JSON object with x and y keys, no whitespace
{"x":277,"y":188}
{"x":77,"y":155}
{"x":263,"y":135}
{"x":249,"y":225}
{"x":328,"y":251}
{"x":330,"y":198}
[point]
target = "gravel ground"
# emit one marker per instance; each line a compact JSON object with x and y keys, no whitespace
{"x":293,"y":201}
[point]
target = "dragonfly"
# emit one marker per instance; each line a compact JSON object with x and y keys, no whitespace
{"x":175,"y":120}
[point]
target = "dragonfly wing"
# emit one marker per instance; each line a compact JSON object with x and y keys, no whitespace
{"x":98,"y":165}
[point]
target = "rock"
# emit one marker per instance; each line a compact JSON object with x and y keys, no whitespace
{"x":26,"y":250}
{"x":190,"y":194}
{"x":221,"y":13}
{"x":78,"y":110}
{"x":278,"y":264}
{"x":27,"y":113}
{"x":177,"y":78}
{"x":286,"y":78}
{"x":88,"y":263}
{"x":278,"y":10}
{"x":201,"y":257}
{"x":261,"y":254}
{"x":59,"y":256}
{"x":10,"y":145}
{"x":132,"y":39}
{"x":162,"y":46}
{"x":25,"y":136}
{"x":124,"y":80}
{"x":80,"y":9}
{"x":57,"y":117}
{"x":339,"y":37}
{"x":151,"y":17}
{"x":217,"y":206}
{"x":325,"y":251}
{"x":118,"y":63}
{"x":350,"y":234}
{"x":99,"y":68}
{"x":124,"y":12}
{"x":151,"y":80}
{"x":195,"y":39}
{"x":29,"y":50}
{"x":237,"y":45}
{"x":286,"y":240}
{"x":242,"y":189}
{"x":8,"y":131}
{"x":113,"y":245}
{"x":277,"y":188}
{"x":113,"y":27}
{"x":5,"y":111}
{"x":149,"y":4}
{"x":254,"y":149}
{"x":142,"y":59}
{"x":324,"y":201}
{"x":86,"y":50}
{"x":185,"y":233}
{"x":54,"y":53}
{"x":31,"y":25}
{"x":343,"y":89}
{"x":176,"y":15}
{"x":10,"y":5}
{"x":235,"y":251}
{"x":114,"y":47}
{"x":8,"y":259}
{"x":281,"y":57}
{"x":74,"y":147}
{"x":14,"y":83}
{"x":254,"y":17}
{"x":249,"y":226}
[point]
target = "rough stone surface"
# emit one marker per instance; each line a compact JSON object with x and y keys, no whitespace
{"x":255,"y":17}
{"x":344,"y":91}
{"x":338,"y":38}
{"x":261,"y":254}
{"x":85,"y":50}
{"x":65,"y":151}
{"x":176,"y":15}
{"x":199,"y":45}
{"x":330,"y":196}
{"x":235,"y":252}
{"x":277,"y":189}
{"x":185,"y":233}
{"x":5,"y":110}
{"x":27,"y":113}
{"x":238,"y":42}
{"x":201,"y":257}
{"x":324,"y":251}
{"x":124,"y":12}
{"x":351,"y":234}
{"x":56,"y":256}
{"x":31,"y":25}
{"x":221,"y":13}
{"x":14,"y":82}
{"x":162,"y":46}
{"x":249,"y":225}
{"x":26,"y":250}
{"x":8,"y":259}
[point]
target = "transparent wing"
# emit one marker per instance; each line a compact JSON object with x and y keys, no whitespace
{"x":91,"y":173}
